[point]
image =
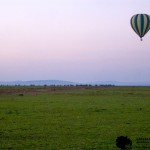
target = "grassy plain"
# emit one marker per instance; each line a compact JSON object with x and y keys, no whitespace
{"x":73,"y":118}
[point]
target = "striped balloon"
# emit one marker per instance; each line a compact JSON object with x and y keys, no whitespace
{"x":140,"y":24}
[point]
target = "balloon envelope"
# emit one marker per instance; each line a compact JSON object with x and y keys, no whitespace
{"x":140,"y":23}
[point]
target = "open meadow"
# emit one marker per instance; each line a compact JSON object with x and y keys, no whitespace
{"x":73,"y":118}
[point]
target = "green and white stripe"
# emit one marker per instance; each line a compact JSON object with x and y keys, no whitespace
{"x":140,"y":24}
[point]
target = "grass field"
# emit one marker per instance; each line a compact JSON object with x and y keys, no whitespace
{"x":73,"y":118}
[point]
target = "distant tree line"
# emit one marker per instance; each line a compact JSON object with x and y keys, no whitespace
{"x":70,"y":85}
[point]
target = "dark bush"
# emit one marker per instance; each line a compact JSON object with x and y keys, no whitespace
{"x":124,"y":143}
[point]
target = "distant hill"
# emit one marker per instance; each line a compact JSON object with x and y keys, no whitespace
{"x":63,"y":83}
{"x":39,"y":82}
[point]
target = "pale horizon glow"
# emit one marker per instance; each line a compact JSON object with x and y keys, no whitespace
{"x":72,"y":40}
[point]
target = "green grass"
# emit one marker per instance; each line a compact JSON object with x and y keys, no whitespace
{"x":80,"y":119}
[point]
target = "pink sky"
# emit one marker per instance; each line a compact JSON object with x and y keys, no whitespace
{"x":74,"y":40}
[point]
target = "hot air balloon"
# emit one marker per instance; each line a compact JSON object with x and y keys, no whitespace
{"x":140,"y":23}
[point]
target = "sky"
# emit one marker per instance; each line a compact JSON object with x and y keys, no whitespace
{"x":73,"y":40}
